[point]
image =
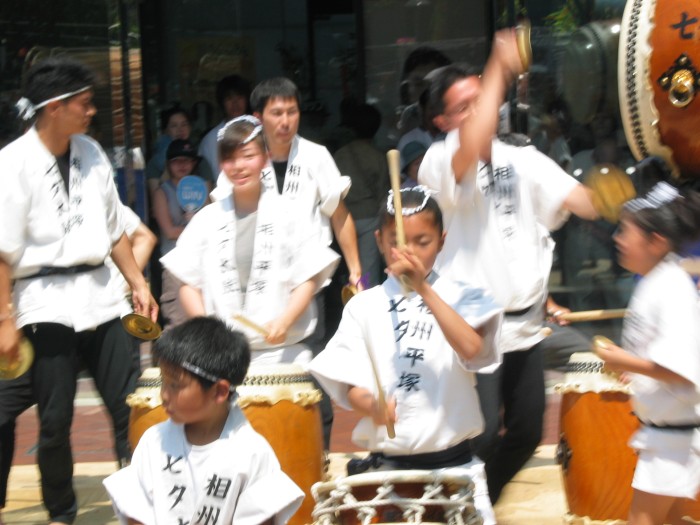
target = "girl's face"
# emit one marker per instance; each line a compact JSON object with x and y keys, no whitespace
{"x":180,"y":167}
{"x":184,"y":399}
{"x":178,"y":127}
{"x":244,"y":166}
{"x":638,"y":251}
{"x":422,"y":237}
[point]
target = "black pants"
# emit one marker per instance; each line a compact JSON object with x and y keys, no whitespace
{"x":518,"y":387}
{"x":107,"y":354}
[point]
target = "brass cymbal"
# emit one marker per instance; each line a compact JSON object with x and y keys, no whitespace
{"x":347,"y":293}
{"x":20,"y":366}
{"x":141,"y":327}
{"x":522,"y":38}
{"x":600,"y":342}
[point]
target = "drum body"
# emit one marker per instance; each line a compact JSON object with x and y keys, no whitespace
{"x":146,"y":405}
{"x":282,"y":404}
{"x":404,"y":496}
{"x":658,"y":82}
{"x":598,"y":465}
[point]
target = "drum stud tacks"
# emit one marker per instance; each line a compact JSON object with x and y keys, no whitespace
{"x":680,"y":80}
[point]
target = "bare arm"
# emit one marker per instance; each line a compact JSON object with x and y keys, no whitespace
{"x":477,"y":130}
{"x":344,"y":230}
{"x":162,"y":216}
{"x":364,"y":403}
{"x":133,"y":522}
{"x":192,"y":301}
{"x":9,"y":335}
{"x":619,"y":360}
{"x":143,"y":241}
{"x":579,"y":202}
{"x":123,"y":257}
{"x":299,"y":301}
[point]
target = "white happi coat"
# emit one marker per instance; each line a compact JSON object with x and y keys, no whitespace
{"x":236,"y":479}
{"x":204,"y":258}
{"x":42,"y":225}
{"x":437,"y":404}
{"x":498,"y":224}
{"x":662,"y":324}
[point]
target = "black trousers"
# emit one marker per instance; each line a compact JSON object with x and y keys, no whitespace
{"x":518,"y":387}
{"x":59,"y":353}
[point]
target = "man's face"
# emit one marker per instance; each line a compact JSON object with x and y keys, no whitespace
{"x":76,"y":113}
{"x":280,"y":120}
{"x":235,"y":105}
{"x":459,"y":102}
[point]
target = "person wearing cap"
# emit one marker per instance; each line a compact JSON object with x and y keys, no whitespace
{"x":181,"y":160}
{"x":500,"y":202}
{"x":411,"y":156}
{"x":61,"y":218}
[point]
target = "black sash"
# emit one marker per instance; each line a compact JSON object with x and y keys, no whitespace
{"x":46,"y":271}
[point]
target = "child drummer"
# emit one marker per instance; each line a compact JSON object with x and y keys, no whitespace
{"x":426,"y":345}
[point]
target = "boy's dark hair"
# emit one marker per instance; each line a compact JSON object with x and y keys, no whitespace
{"x":56,"y":76}
{"x":233,"y":137}
{"x":412,"y":198}
{"x":441,"y":80}
{"x":421,"y":56}
{"x":206,"y":343}
{"x":232,"y":85}
{"x":168,"y":113}
{"x":278,"y":87}
{"x":366,"y":121}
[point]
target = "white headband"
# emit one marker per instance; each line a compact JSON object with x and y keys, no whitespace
{"x":27,"y":110}
{"x":427,"y":192}
{"x":662,"y":193}
{"x":250,"y":119}
{"x":194,"y":369}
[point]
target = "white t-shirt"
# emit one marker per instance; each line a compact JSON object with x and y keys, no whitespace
{"x":235,"y":479}
{"x":498,"y":224}
{"x":42,"y":225}
{"x":209,"y":147}
{"x":437,"y":404}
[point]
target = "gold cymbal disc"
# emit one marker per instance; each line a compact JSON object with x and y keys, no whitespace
{"x":600,"y":342}
{"x":348,"y":292}
{"x":141,"y":327}
{"x":17,"y":368}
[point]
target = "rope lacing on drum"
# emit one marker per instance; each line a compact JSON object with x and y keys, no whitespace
{"x":276,"y":379}
{"x":456,"y":507}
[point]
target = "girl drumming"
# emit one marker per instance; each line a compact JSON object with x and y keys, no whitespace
{"x":661,"y":352}
{"x":243,"y":255}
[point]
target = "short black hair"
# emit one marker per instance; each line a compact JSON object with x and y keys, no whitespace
{"x":233,"y":137}
{"x":56,"y":76}
{"x":278,"y":87}
{"x":441,"y":80}
{"x":209,"y":344}
{"x":366,"y":121}
{"x":232,"y":85}
{"x":168,"y":113}
{"x":412,"y":198}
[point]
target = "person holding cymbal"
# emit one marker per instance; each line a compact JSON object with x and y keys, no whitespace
{"x":61,"y":219}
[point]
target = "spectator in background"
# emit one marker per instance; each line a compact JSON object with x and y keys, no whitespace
{"x":367,"y":167}
{"x":175,"y":125}
{"x":232,"y":96}
{"x":426,"y":132}
{"x":411,"y":156}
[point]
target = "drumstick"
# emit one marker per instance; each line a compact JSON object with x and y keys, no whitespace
{"x":392,"y":157}
{"x":593,"y":315}
{"x":381,"y":401}
{"x":251,"y":324}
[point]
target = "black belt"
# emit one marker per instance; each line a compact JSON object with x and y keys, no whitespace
{"x":680,"y":427}
{"x":453,"y":456}
{"x":518,"y":313}
{"x":46,"y":271}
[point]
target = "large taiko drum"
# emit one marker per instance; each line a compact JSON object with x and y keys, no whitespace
{"x":597,"y":464}
{"x":281,"y":403}
{"x":659,"y":79}
{"x":405,"y":496}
